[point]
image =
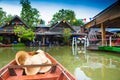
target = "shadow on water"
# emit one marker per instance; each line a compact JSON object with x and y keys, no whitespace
{"x":85,"y":66}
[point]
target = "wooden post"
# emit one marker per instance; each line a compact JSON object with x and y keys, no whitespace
{"x":43,"y":39}
{"x":103,"y":34}
{"x":110,"y":40}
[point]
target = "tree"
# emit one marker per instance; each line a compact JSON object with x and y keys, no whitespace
{"x":28,"y":14}
{"x":42,"y":21}
{"x":67,"y":15}
{"x":2,"y":17}
{"x":21,"y":32}
{"x":66,"y":35}
{"x":78,"y":22}
{"x":8,"y":18}
{"x":1,"y":38}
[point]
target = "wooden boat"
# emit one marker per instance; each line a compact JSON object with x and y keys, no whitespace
{"x":5,"y":45}
{"x":12,"y":71}
{"x":109,"y":48}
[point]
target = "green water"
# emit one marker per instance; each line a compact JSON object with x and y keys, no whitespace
{"x":91,"y":65}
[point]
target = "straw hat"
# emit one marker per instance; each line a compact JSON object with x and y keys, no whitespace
{"x":45,"y":68}
{"x":40,"y":51}
{"x":35,"y":59}
{"x":44,"y":60}
{"x":21,"y":57}
{"x":43,"y":56}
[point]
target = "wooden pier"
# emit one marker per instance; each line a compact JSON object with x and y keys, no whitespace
{"x":92,"y":47}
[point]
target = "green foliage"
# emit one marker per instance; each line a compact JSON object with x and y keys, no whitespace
{"x":19,"y":45}
{"x":21,"y":32}
{"x":67,"y":15}
{"x":78,"y":22}
{"x":64,"y":15}
{"x":2,"y":17}
{"x":66,"y":35}
{"x":28,"y":14}
{"x":1,"y":38}
{"x":8,"y":18}
{"x":118,"y":34}
{"x":42,"y":21}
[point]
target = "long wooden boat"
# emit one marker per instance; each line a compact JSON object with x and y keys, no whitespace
{"x":12,"y":71}
{"x":109,"y":48}
{"x":5,"y":45}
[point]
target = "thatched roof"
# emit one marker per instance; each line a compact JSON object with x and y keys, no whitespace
{"x":16,"y":18}
{"x":8,"y":28}
{"x":59,"y":26}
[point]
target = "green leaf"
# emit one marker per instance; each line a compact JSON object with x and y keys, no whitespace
{"x":22,"y":32}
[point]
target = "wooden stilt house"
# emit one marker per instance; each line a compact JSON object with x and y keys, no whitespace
{"x":7,"y":31}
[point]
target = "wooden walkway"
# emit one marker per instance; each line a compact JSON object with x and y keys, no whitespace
{"x":93,"y":47}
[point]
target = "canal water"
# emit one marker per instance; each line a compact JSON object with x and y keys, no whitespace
{"x":92,"y":65}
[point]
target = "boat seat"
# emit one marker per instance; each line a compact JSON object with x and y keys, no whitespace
{"x":17,"y":73}
{"x":16,"y":70}
{"x":46,"y":76}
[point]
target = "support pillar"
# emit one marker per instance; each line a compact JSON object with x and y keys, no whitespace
{"x":43,"y":39}
{"x":103,"y":34}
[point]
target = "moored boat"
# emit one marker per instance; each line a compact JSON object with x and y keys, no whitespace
{"x":13,"y":71}
{"x":5,"y":45}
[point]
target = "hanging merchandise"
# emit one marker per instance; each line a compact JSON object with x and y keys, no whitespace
{"x":84,"y":19}
{"x":49,"y":22}
{"x":64,"y":21}
{"x":91,"y":19}
{"x":17,"y":23}
{"x":8,"y":23}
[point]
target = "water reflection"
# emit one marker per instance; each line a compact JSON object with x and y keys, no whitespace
{"x":97,"y":67}
{"x":80,"y":74}
{"x":95,"y":62}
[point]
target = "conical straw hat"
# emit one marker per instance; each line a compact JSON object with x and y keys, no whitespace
{"x":20,"y":57}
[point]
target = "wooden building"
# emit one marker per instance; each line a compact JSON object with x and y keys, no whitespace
{"x":54,"y":34}
{"x":108,"y":18}
{"x":44,"y":35}
{"x":7,"y":30}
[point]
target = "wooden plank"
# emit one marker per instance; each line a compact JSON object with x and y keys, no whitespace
{"x":36,"y":65}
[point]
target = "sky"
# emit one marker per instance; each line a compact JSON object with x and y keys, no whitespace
{"x":47,"y":8}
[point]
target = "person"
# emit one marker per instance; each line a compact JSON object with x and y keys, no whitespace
{"x":117,"y":41}
{"x":39,"y":43}
{"x":33,"y":43}
{"x":114,"y":36}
